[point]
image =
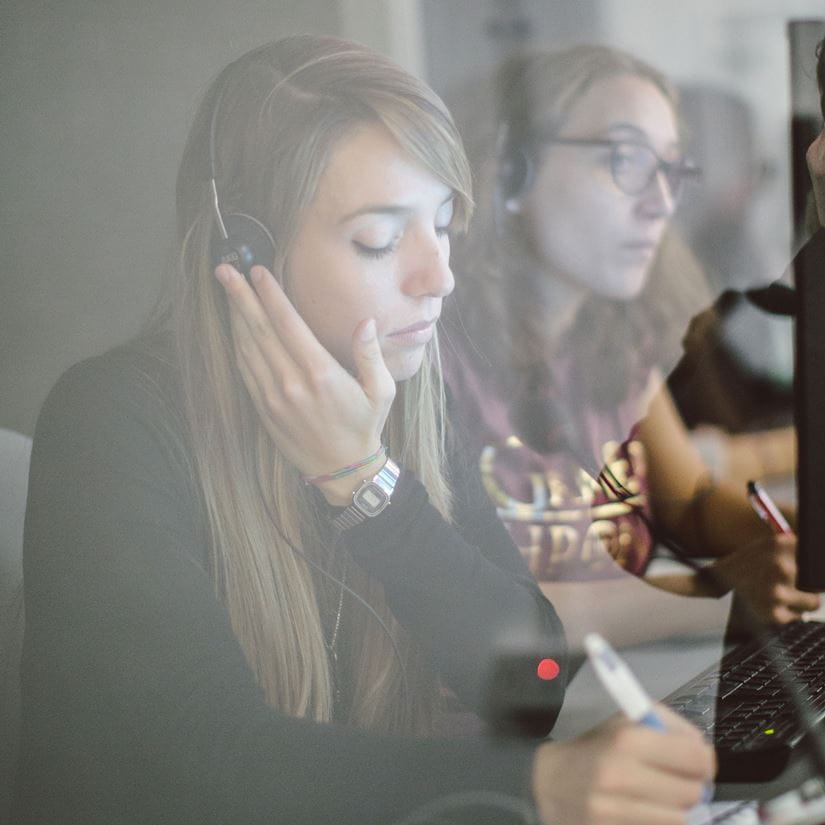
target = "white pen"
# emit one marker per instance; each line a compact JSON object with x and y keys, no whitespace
{"x":618,"y":680}
{"x":624,"y":689}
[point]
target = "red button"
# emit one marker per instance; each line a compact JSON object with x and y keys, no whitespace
{"x":548,"y":669}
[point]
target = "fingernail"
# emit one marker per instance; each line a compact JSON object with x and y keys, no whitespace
{"x":368,"y":331}
{"x":223,"y":274}
{"x":256,"y":274}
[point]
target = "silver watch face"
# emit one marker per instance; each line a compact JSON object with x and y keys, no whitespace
{"x":371,"y":499}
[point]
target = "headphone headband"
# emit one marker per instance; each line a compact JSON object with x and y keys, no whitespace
{"x":244,"y":241}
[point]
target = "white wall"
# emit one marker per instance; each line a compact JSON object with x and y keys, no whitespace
{"x":390,"y":26}
{"x":95,"y":101}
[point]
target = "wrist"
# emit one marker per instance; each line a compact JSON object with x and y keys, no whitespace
{"x":338,"y":492}
{"x":370,"y":499}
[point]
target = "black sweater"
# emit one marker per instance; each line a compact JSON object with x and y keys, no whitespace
{"x":139,"y":706}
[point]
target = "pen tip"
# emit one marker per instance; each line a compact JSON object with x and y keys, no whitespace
{"x":594,"y":643}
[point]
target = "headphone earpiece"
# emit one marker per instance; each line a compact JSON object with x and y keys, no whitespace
{"x":515,"y":174}
{"x":515,"y":149}
{"x":247,"y":243}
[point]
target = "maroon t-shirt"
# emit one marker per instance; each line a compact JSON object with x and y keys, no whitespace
{"x":567,"y":524}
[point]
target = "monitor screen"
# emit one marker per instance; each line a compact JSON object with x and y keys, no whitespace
{"x":809,"y":277}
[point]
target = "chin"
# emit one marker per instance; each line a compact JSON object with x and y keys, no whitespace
{"x":402,"y":367}
{"x":627,"y":285}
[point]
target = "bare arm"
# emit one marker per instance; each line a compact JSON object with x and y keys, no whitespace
{"x":686,"y":502}
{"x":739,"y":457}
{"x":715,"y":520}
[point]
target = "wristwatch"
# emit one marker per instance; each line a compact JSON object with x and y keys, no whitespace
{"x":371,"y":498}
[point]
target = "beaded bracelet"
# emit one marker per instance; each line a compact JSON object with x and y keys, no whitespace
{"x":348,"y":470}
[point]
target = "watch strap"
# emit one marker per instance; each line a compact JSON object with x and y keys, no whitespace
{"x":381,"y":486}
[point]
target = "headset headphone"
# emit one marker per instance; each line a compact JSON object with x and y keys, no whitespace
{"x":244,"y":241}
{"x":515,"y":166}
{"x":514,"y":149}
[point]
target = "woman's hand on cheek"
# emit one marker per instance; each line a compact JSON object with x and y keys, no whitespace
{"x":320,"y":417}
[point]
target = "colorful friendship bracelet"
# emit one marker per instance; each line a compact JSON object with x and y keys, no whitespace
{"x":348,"y":470}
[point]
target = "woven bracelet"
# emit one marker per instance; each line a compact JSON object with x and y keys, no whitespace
{"x":348,"y":470}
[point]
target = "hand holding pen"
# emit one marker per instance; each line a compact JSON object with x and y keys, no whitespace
{"x":761,"y":569}
{"x":637,"y":706}
{"x":796,"y":602}
{"x":621,"y":772}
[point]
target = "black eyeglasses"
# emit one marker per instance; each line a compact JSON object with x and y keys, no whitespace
{"x":634,"y":165}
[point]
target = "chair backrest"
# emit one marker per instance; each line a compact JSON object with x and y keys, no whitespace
{"x":15,"y":450}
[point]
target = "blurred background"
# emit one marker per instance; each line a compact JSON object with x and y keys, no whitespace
{"x":97,"y":96}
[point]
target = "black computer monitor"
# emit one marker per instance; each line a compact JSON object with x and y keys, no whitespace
{"x":809,"y":278}
{"x":809,"y":412}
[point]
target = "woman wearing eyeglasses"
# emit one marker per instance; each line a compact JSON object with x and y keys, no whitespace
{"x":572,"y":297}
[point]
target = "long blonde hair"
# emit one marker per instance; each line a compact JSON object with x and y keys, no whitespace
{"x":277,"y":113}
